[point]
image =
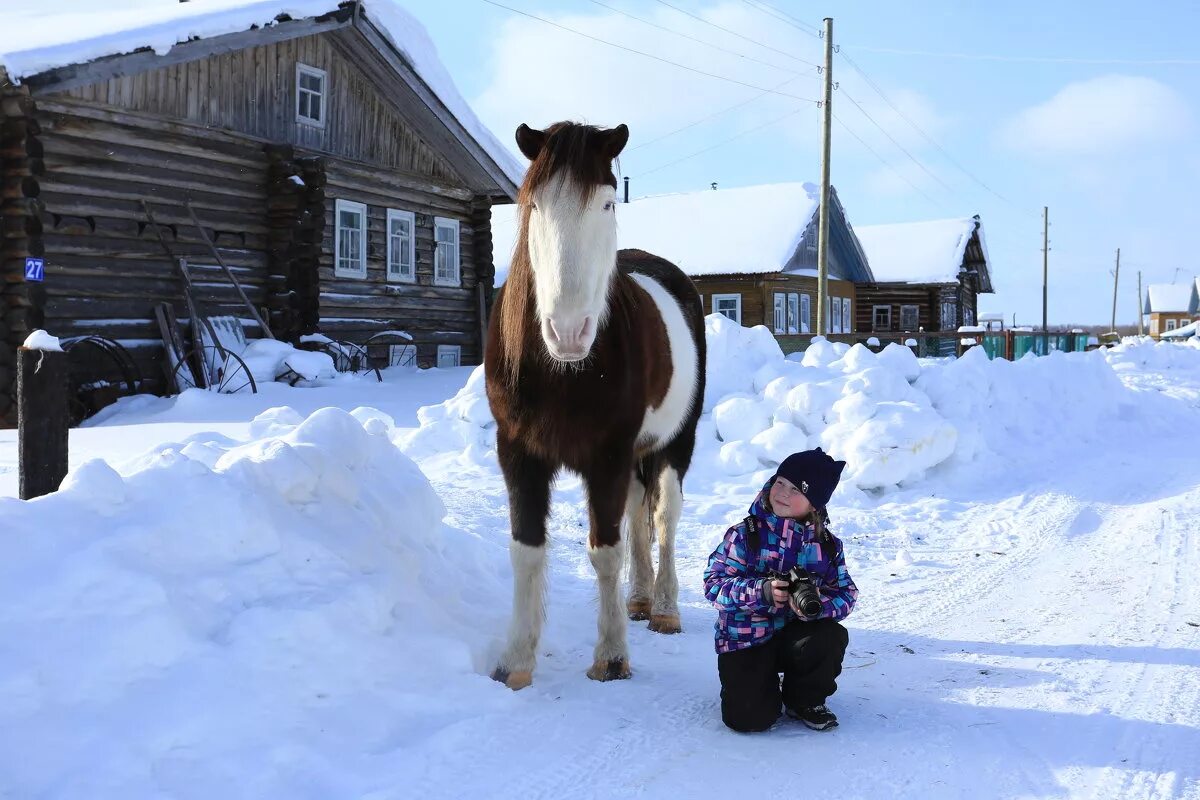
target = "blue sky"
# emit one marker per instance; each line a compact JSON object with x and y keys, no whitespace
{"x":1111,"y":148}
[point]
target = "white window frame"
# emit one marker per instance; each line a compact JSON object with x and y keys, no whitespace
{"x":340,"y":271}
{"x":736,"y":298}
{"x":916,"y":317}
{"x":847,"y":321}
{"x":835,"y":315}
{"x":407,"y":355}
{"x":1171,"y":324}
{"x":449,"y":350}
{"x":875,"y":318}
{"x":441,"y":223}
{"x":1154,"y":326}
{"x":322,"y":96}
{"x":780,"y":309}
{"x":398,"y":275}
{"x":805,"y":313}
{"x":795,"y":323}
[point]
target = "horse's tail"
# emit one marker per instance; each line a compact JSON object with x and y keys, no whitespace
{"x":649,"y":467}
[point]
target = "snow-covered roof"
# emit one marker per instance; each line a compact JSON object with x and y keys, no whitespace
{"x":1186,"y":332}
{"x":1172,"y":297}
{"x":742,"y":231}
{"x":919,"y":252}
{"x":37,"y":36}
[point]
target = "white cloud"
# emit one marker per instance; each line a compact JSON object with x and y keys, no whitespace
{"x":1101,"y":116}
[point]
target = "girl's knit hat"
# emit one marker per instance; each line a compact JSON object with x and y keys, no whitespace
{"x":814,"y":473}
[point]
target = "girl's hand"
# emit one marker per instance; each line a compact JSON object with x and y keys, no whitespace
{"x":778,"y":593}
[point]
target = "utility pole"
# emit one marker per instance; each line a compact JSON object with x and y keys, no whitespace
{"x":823,"y":223}
{"x":1140,"y":306}
{"x":1045,"y":277}
{"x":1116,"y":279}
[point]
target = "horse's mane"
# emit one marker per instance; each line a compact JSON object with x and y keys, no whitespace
{"x":574,"y":151}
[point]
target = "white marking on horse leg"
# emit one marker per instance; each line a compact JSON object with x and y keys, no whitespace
{"x":611,"y":659}
{"x":529,"y":612}
{"x":641,"y":574}
{"x":664,"y":616}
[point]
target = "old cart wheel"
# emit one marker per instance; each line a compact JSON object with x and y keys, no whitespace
{"x":224,"y":371}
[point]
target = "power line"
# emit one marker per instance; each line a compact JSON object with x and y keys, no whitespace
{"x":700,"y":41}
{"x":919,"y":130}
{"x":883,"y":161}
{"x":648,"y":55}
{"x":721,"y":143}
{"x":903,"y":149}
{"x":1034,"y":59}
{"x":733,"y":33}
{"x":714,"y":115}
{"x":783,"y":16}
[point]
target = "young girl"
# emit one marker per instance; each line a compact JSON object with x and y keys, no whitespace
{"x":759,"y":632}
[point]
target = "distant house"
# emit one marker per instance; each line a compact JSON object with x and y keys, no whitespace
{"x":927,"y":276}
{"x":1171,"y":306}
{"x":330,"y":158}
{"x":751,"y":251}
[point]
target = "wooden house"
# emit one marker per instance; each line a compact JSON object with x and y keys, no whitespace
{"x":751,"y":251}
{"x":927,"y":276}
{"x":1170,"y":306}
{"x":329,"y":158}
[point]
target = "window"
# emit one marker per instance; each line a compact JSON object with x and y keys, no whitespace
{"x":881,"y":318}
{"x":310,"y":95}
{"x":805,"y":313}
{"x":968,"y":316}
{"x":781,"y":323}
{"x":1154,"y":326}
{"x":949,"y":315}
{"x":835,"y":316}
{"x":796,"y":322}
{"x":909,"y":317}
{"x":449,"y":355}
{"x":1170,"y":324}
{"x":847,"y":320}
{"x":446,"y":266}
{"x":402,"y":355}
{"x":350,"y":240}
{"x":728,"y":304}
{"x":401,"y":246}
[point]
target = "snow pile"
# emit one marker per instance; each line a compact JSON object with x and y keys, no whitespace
{"x":40,"y":340}
{"x":281,"y":581}
{"x":890,"y":416}
{"x":268,"y":359}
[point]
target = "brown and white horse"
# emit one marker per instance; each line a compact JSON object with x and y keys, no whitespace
{"x":594,"y":362}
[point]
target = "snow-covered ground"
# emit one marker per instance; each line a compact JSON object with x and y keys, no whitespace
{"x":293,"y":595}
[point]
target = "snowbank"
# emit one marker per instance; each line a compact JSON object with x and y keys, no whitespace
{"x":281,"y":581}
{"x":889,"y":415}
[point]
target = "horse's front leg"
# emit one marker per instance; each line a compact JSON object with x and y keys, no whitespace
{"x":528,"y":479}
{"x":607,"y":484}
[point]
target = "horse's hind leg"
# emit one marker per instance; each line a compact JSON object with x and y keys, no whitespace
{"x":641,"y":576}
{"x":668,"y":495}
{"x":528,"y":479}
{"x":606,"y":489}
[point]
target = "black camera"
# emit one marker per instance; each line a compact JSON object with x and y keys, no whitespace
{"x":802,"y":589}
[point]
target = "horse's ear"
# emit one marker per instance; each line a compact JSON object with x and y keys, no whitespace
{"x":530,"y":140}
{"x":615,"y":140}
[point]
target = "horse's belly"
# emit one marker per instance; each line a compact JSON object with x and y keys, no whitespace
{"x":662,"y":423}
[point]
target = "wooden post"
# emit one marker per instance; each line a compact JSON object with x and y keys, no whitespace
{"x":1116,"y":280}
{"x":43,"y":420}
{"x":1140,"y":307}
{"x":1045,"y":278}
{"x":823,"y":218}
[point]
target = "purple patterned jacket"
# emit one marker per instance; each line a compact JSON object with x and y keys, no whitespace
{"x":733,"y":581}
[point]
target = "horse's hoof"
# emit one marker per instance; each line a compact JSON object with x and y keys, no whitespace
{"x":616,"y":669}
{"x":665,"y":623}
{"x":638,"y":609}
{"x":513,"y":680}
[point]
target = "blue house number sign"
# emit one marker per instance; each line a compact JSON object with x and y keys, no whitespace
{"x":35,"y":269}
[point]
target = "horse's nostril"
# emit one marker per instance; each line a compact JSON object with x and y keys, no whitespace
{"x":585,"y":330}
{"x":552,"y":332}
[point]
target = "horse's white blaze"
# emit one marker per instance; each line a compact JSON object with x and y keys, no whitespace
{"x":573,"y":253}
{"x":529,"y":606}
{"x":661,"y":424}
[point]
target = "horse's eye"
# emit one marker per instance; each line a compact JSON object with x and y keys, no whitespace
{"x":610,"y":205}
{"x":533,"y":206}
